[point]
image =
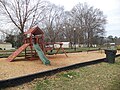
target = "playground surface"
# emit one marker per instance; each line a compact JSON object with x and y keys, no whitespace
{"x":20,"y":66}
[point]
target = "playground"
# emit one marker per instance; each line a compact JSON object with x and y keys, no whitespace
{"x":40,"y":40}
{"x":36,"y":60}
{"x":21,"y":67}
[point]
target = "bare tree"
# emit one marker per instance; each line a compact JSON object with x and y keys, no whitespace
{"x":90,"y":21}
{"x":53,"y":21}
{"x":68,"y":25}
{"x":23,"y":13}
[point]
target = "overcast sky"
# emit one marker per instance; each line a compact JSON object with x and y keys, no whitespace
{"x":111,"y":9}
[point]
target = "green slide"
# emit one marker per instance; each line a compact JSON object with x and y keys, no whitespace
{"x":41,"y":54}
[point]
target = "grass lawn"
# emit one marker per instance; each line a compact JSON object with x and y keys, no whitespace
{"x":102,"y":76}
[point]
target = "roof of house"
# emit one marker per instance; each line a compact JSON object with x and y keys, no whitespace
{"x":34,"y":31}
{"x":1,"y":43}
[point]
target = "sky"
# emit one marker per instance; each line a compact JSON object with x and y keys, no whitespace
{"x":110,"y":8}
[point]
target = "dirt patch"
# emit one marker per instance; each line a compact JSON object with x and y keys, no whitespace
{"x":21,"y":67}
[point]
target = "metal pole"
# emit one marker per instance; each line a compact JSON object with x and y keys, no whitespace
{"x":74,"y":40}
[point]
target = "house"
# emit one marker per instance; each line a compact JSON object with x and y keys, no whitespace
{"x":5,"y":46}
{"x":65,"y":45}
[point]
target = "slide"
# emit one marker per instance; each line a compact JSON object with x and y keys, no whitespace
{"x":41,"y":54}
{"x":17,"y":52}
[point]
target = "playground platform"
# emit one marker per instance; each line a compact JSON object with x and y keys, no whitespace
{"x":21,"y":67}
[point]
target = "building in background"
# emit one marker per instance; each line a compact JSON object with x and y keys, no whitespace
{"x":5,"y":46}
{"x":65,"y":45}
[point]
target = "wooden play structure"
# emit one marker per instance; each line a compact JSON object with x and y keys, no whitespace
{"x":34,"y":38}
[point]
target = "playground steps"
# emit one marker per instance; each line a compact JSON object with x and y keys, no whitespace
{"x":17,"y":52}
{"x":30,"y":55}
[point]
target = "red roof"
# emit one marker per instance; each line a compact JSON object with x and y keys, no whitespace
{"x":34,"y":31}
